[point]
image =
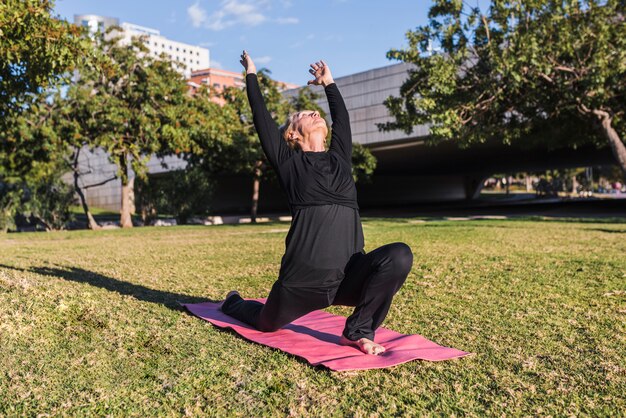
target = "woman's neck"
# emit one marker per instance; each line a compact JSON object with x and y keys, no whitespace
{"x":313,"y":142}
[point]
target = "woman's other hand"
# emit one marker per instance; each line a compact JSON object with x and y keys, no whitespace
{"x":247,"y":63}
{"x":321,"y":72}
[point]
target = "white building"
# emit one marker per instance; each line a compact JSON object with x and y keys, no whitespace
{"x":192,"y":57}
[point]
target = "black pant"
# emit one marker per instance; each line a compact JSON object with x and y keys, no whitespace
{"x":371,"y":280}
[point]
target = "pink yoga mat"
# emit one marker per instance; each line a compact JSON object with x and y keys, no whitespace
{"x":315,"y":337}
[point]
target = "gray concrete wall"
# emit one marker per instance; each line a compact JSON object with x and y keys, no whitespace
{"x":97,"y":168}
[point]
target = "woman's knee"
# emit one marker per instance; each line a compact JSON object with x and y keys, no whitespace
{"x":402,"y":256}
{"x":270,"y":323}
{"x":268,"y":326}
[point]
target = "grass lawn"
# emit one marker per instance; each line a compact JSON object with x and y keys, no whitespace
{"x":89,"y":325}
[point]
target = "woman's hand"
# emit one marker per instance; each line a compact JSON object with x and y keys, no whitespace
{"x":247,"y":63}
{"x":321,"y":72}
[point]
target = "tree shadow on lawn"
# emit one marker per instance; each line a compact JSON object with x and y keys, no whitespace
{"x":76,"y":274}
{"x":610,"y":231}
{"x":168,"y":299}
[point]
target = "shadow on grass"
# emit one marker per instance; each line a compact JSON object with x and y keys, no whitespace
{"x":610,"y":231}
{"x":486,"y":221}
{"x":168,"y":299}
{"x":139,"y":292}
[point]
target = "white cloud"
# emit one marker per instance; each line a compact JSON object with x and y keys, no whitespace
{"x":216,"y":64}
{"x":287,"y":20}
{"x":262,"y":60}
{"x":197,"y":15}
{"x":230,"y":13}
{"x":235,"y":12}
{"x":207,"y":44}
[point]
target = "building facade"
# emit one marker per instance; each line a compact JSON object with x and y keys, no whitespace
{"x":217,"y":80}
{"x":191,"y":57}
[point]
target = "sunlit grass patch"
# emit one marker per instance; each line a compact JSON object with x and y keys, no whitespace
{"x":90,"y":324}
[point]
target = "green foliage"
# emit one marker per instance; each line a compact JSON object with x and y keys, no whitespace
{"x":10,"y":198}
{"x":31,"y":167}
{"x":533,"y":71}
{"x":179,"y":193}
{"x":131,"y":104}
{"x":37,"y":54}
{"x":36,"y":51}
{"x":44,"y":200}
{"x":214,"y":133}
{"x":363,"y":163}
{"x":48,"y":203}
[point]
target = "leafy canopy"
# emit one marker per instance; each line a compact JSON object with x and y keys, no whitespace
{"x":527,"y":70}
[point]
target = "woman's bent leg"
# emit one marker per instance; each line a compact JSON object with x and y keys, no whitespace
{"x":370,"y":283}
{"x":283,"y":305}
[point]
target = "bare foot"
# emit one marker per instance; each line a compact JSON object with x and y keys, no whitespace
{"x":365,"y":345}
{"x":232,"y":292}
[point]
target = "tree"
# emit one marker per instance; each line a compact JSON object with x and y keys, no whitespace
{"x":37,"y":53}
{"x":527,"y":71}
{"x":137,"y":104}
{"x":72,"y":123}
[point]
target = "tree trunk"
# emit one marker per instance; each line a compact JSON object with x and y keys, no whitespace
{"x":91,"y":222}
{"x":255,"y":190}
{"x":617,"y":146}
{"x":529,"y":184}
{"x":125,"y":219}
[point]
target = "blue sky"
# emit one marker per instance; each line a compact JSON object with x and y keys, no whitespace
{"x":284,"y":36}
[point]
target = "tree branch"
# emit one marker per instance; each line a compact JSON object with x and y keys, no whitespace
{"x":100,"y":183}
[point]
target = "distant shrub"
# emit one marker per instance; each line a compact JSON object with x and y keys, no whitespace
{"x":43,"y":204}
{"x":179,"y":193}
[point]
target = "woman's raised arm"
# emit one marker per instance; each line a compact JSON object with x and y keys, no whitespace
{"x":341,"y":135}
{"x":274,"y":147}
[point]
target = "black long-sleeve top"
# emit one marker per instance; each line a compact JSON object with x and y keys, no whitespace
{"x":326,"y":227}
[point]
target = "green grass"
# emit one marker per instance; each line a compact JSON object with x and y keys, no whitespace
{"x":89,"y":323}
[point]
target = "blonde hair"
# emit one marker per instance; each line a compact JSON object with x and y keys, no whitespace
{"x":287,"y":128}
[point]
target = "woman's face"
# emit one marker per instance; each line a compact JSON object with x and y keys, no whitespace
{"x":307,"y":121}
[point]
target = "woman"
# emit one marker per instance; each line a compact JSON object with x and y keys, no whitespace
{"x":324,"y":262}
